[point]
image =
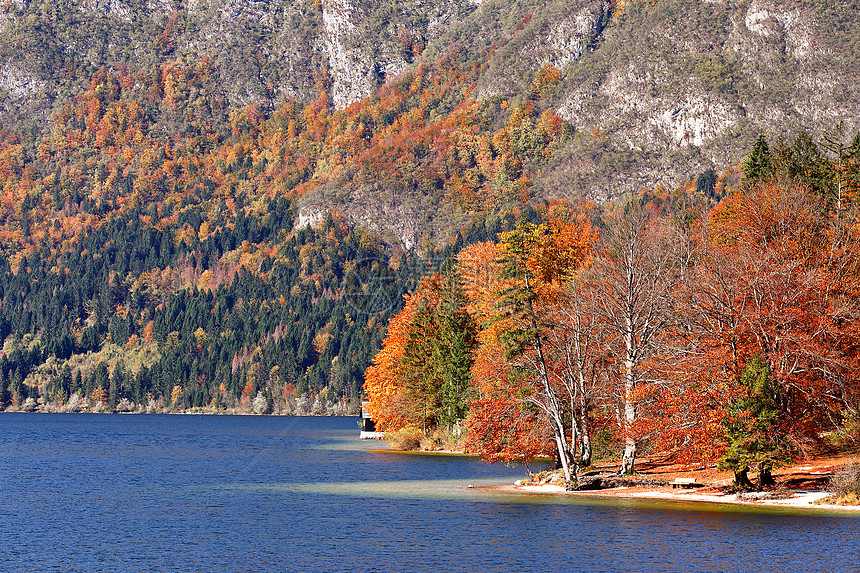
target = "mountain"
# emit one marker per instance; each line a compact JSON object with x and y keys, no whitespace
{"x":160,"y":163}
{"x":655,"y":91}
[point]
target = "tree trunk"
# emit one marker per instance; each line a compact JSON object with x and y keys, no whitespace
{"x":575,"y":436}
{"x":562,"y":451}
{"x":551,"y":405}
{"x":585,"y":450}
{"x":742,"y":480}
{"x":765,"y":477}
{"x":583,"y":422}
{"x":629,"y":457}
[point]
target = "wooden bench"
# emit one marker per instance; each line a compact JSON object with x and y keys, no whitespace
{"x":686,"y":483}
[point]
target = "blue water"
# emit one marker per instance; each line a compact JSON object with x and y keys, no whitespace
{"x":224,"y":493}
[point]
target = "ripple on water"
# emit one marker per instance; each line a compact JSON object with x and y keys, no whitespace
{"x":225,"y":493}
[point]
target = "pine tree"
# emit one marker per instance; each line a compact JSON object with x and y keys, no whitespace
{"x":757,"y":165}
{"x":752,"y":431}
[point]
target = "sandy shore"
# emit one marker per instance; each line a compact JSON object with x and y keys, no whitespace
{"x":805,"y":499}
{"x":801,"y":486}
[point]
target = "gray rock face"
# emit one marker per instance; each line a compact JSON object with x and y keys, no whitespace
{"x":671,"y":89}
{"x":656,"y":92}
{"x":263,"y":51}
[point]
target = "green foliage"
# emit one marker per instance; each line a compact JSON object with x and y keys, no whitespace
{"x":705,"y":182}
{"x":752,"y":433}
{"x":150,"y":222}
{"x":284,"y":325}
{"x":605,"y":446}
{"x":802,"y":161}
{"x":847,"y":436}
{"x":453,"y":351}
{"x":439,"y":354}
{"x":829,"y":167}
{"x":718,"y":73}
{"x":757,"y":165}
{"x":443,"y":439}
{"x":518,"y":300}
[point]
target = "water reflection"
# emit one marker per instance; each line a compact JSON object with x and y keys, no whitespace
{"x":487,"y":490}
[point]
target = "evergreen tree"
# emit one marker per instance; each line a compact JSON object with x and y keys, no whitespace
{"x":4,"y":390}
{"x":757,"y":165}
{"x":808,"y":166}
{"x":752,"y":433}
{"x":117,"y":386}
{"x":453,"y":352}
{"x":706,"y":181}
{"x":79,"y":382}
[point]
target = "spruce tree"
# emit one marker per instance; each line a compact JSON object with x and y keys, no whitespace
{"x":752,"y":433}
{"x":757,"y":165}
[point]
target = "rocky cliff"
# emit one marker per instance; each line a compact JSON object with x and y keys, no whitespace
{"x":656,"y":92}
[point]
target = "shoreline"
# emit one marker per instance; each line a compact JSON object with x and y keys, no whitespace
{"x":800,"y":486}
{"x":181,"y":413}
{"x":791,"y":499}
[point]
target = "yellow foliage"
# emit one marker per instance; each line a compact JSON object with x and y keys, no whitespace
{"x":99,"y":395}
{"x":206,"y":278}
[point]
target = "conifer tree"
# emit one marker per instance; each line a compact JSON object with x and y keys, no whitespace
{"x":757,"y":165}
{"x":752,"y":429}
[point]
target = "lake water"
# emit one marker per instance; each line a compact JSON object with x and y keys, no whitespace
{"x":225,"y":493}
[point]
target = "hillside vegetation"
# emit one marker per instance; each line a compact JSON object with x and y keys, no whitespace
{"x":701,"y":334}
{"x":219,"y":205}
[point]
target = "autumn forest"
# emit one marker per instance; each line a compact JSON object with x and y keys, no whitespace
{"x":165,"y":250}
{"x":152,"y":256}
{"x":715,"y":331}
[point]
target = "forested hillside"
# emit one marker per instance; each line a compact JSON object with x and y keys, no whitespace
{"x":695,"y":331}
{"x":132,"y":250}
{"x":220,"y":205}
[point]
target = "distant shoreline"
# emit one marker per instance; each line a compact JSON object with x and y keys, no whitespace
{"x":184,"y":413}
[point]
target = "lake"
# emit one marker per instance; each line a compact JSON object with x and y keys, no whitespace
{"x":90,"y":492}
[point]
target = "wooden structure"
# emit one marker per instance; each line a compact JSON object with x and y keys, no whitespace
{"x":686,"y":483}
{"x":368,"y":426}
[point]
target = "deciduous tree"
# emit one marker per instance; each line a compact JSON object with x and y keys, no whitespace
{"x":641,"y":261}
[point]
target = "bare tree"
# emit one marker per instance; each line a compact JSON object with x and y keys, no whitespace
{"x":640,"y":263}
{"x":575,"y":347}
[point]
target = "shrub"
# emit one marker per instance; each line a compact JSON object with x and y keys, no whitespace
{"x":605,"y":446}
{"x":847,"y":437}
{"x":407,"y":439}
{"x":442,"y":440}
{"x":845,"y":485}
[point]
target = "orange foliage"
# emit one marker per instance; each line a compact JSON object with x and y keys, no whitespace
{"x":423,"y":132}
{"x":506,"y":421}
{"x":389,"y":404}
{"x":500,"y":430}
{"x":771,"y":283}
{"x":100,"y":395}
